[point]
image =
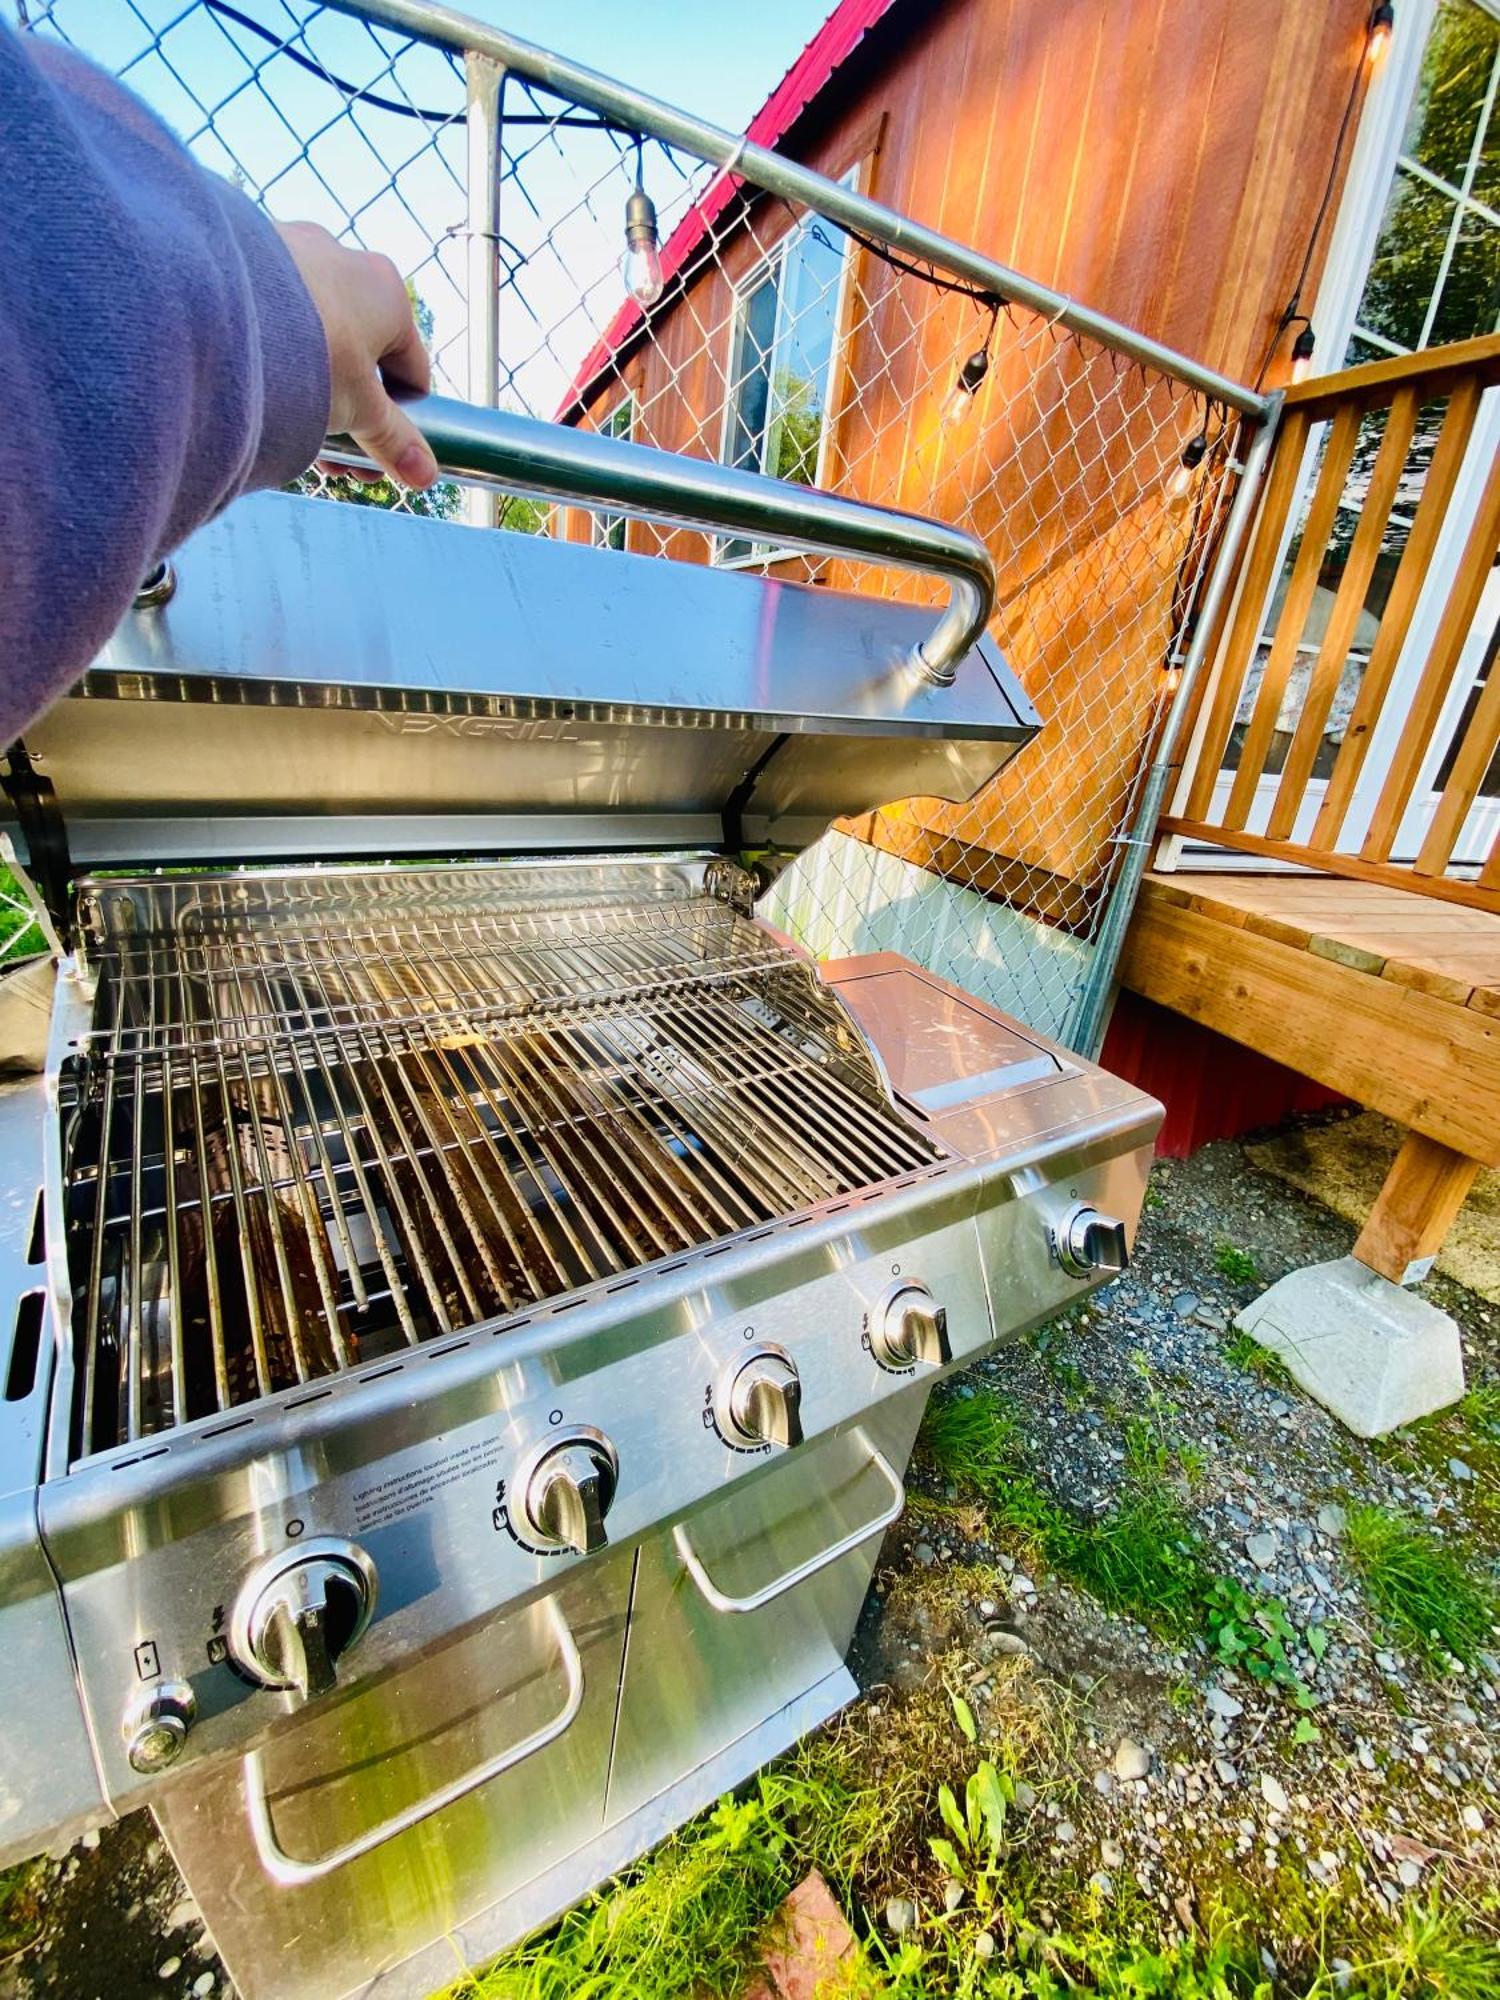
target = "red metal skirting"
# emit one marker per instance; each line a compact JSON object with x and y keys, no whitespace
{"x":1212,"y":1087}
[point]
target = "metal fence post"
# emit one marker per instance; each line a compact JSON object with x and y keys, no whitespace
{"x":1086,"y":1034}
{"x":483,"y":79}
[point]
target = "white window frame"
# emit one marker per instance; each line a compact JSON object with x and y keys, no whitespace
{"x":602,"y":524}
{"x":760,"y":553}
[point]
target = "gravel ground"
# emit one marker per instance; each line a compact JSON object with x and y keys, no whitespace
{"x":1181,"y":1768}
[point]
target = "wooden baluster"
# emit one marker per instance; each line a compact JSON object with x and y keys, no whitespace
{"x":1342,"y":436}
{"x":1260,"y":574}
{"x":1432,"y":689}
{"x":1469,"y":766}
{"x":1395,"y":619}
{"x":1343,"y":620}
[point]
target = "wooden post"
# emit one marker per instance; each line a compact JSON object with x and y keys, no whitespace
{"x":1414,"y":1210}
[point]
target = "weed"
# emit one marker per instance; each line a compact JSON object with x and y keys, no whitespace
{"x":1143,"y":1558}
{"x":976,"y":1832}
{"x":20,"y":1906}
{"x":1237,"y":1265}
{"x":19,"y":932}
{"x":1424,"y":1592}
{"x":1243,"y":1350}
{"x":1255,"y":1635}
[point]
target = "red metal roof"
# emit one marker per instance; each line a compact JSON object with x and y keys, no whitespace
{"x":809,"y":75}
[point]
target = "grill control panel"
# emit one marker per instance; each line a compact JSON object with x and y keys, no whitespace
{"x":300,"y":1612}
{"x":758,"y":1400}
{"x":513,"y":1483}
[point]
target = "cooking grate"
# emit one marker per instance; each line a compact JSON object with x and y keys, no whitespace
{"x":314,"y":1126}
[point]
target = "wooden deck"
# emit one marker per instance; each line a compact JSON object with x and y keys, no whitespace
{"x":1391,"y":998}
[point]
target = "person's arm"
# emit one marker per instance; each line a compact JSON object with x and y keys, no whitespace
{"x":163,"y":348}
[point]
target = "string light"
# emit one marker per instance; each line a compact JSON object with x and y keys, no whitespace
{"x":1382,"y":27}
{"x":958,"y":404}
{"x":641,"y":267}
{"x":1381,"y":21}
{"x":1193,"y":454}
{"x":960,"y":398}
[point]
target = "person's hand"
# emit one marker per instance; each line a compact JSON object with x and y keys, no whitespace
{"x":373,"y":347}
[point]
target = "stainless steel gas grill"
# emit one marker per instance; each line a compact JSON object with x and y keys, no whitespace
{"x":469,"y":1318}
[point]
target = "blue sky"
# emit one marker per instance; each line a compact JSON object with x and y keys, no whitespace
{"x":720,"y":61}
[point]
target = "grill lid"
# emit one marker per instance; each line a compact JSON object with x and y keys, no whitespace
{"x":442,"y":689}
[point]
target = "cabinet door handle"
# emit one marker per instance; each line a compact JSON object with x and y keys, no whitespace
{"x":291,"y":1870}
{"x":778,"y":1587}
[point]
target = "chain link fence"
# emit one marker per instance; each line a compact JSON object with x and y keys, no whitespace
{"x":783,"y":343}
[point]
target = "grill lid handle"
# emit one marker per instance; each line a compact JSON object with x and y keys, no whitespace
{"x":557,"y":462}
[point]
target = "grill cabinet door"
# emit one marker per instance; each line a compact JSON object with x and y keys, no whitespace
{"x":697,"y":1678}
{"x":351,"y":1767}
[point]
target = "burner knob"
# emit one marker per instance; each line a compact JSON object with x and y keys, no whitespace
{"x":760,"y":1399}
{"x":156,"y":1726}
{"x":911,"y":1327}
{"x":1087,"y":1242}
{"x":565,"y":1495}
{"x":300,"y":1612}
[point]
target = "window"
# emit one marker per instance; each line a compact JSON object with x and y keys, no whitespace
{"x":609,"y":530}
{"x":783,"y":353}
{"x":1435,"y":276}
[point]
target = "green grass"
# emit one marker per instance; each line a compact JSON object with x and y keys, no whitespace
{"x":1243,"y":1350}
{"x":1426,"y":1592}
{"x":691,"y":1921}
{"x":1470,"y":1430}
{"x":1143,"y":1559}
{"x":1237,"y":1265}
{"x":20,"y":1906}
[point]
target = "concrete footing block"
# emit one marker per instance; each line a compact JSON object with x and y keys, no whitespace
{"x":1374,"y":1354}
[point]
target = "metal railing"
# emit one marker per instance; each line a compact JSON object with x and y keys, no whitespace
{"x":803,"y":330}
{"x":1309,"y":748}
{"x":556,"y":462}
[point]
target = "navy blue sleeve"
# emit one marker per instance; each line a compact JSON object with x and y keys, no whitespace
{"x":159,"y":355}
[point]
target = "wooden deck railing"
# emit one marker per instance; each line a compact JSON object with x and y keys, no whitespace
{"x":1435,"y":392}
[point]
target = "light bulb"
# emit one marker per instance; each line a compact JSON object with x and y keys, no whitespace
{"x":1382,"y":25}
{"x":1193,"y":454}
{"x":959,"y":402}
{"x":641,"y":267}
{"x":1302,"y":354}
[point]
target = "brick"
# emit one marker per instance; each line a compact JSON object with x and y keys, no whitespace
{"x":806,"y":1942}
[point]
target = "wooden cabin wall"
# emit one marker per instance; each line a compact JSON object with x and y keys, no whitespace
{"x":1163,"y":162}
